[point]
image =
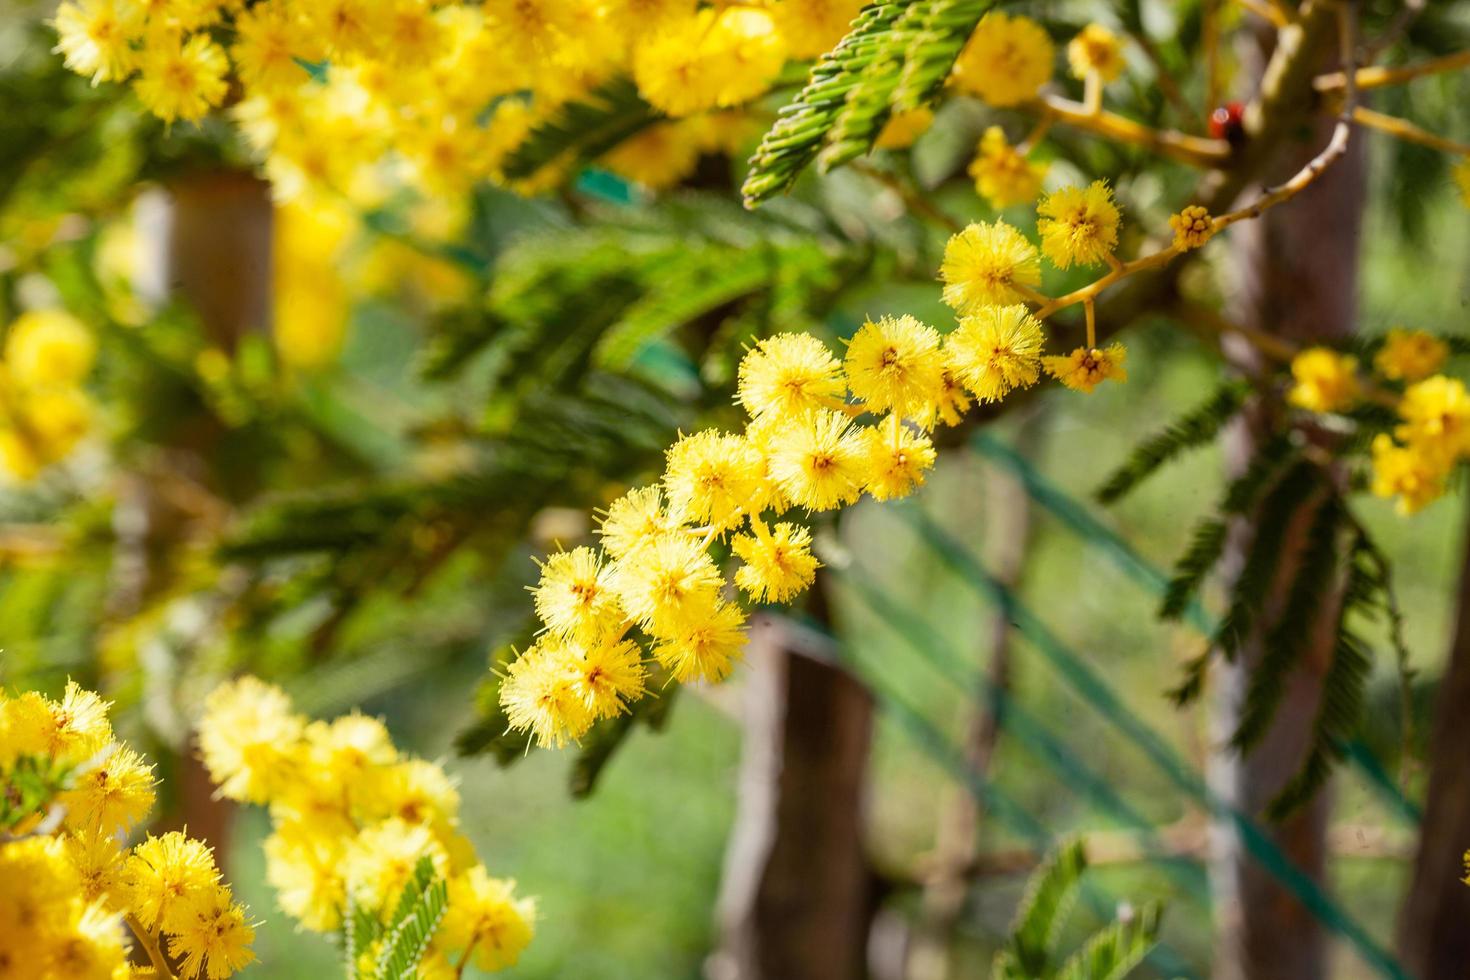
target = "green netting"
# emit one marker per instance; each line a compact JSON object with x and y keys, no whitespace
{"x":1078,"y":518}
{"x":1089,"y":685}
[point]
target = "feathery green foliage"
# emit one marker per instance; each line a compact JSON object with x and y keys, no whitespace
{"x":360,"y":929}
{"x":1116,"y":949}
{"x":420,"y":908}
{"x":1049,"y":897}
{"x":1031,"y":954}
{"x":868,"y":104}
{"x":582,"y":130}
{"x":793,"y":142}
{"x":1196,"y":427}
{"x":947,"y":25}
{"x":1249,"y":591}
{"x":1288,"y":638}
{"x":1205,"y":546}
{"x":1344,"y":686}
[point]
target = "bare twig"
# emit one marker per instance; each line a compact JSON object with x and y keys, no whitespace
{"x":1407,"y":131}
{"x":1196,"y":151}
{"x":1379,"y":76}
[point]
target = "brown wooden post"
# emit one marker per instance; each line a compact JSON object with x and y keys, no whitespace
{"x":1296,"y":276}
{"x":1434,"y":925}
{"x":795,"y":899}
{"x":208,"y":241}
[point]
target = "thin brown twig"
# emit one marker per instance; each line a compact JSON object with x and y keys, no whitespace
{"x":464,"y":960}
{"x":1335,"y":148}
{"x":1400,"y":25}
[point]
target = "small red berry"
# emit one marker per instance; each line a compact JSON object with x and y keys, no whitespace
{"x":1226,"y":122}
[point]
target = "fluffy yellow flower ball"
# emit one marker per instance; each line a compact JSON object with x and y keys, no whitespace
{"x":1006,"y":61}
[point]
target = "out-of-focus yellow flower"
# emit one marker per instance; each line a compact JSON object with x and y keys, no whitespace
{"x":1096,"y":49}
{"x":1416,"y":477}
{"x":1410,"y":355}
{"x":311,"y":305}
{"x":1002,"y":175}
{"x":903,"y":128}
{"x":49,"y":347}
{"x":1324,"y":380}
{"x":1006,"y":61}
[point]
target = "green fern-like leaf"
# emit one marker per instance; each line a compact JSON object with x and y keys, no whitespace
{"x":360,"y":929}
{"x":933,"y":52}
{"x":1197,"y":427}
{"x":582,"y":130}
{"x":419,"y":912}
{"x":1205,"y":546}
{"x":1344,"y":688}
{"x":1117,"y":950}
{"x":1288,"y":639}
{"x":802,"y":125}
{"x":1292,"y":491}
{"x":1192,"y":685}
{"x":867,"y":107}
{"x":1049,"y":897}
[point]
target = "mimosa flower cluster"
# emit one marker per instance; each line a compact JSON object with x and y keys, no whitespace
{"x":1433,"y":435}
{"x":352,"y":817}
{"x":69,"y":795}
{"x":44,"y":412}
{"x":361,"y":96}
{"x":652,"y":598}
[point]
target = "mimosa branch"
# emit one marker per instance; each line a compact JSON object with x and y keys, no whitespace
{"x":1196,"y":151}
{"x":1378,"y":76}
{"x":1407,"y":131}
{"x":1270,"y":12}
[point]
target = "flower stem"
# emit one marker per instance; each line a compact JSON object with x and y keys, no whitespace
{"x":149,"y":942}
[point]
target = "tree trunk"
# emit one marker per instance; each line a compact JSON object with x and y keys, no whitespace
{"x":208,"y":241}
{"x":795,"y":901}
{"x":1296,"y":277}
{"x":1434,"y":927}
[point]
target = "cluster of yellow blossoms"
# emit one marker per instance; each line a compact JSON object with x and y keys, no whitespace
{"x":1433,"y":434}
{"x":44,"y":412}
{"x":69,"y":794}
{"x":803,"y":447}
{"x":352,"y":818}
{"x":1006,"y":63}
{"x":361,"y":96}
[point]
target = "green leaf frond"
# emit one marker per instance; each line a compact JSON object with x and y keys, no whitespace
{"x":1286,"y":643}
{"x":1049,"y":897}
{"x":803,"y":124}
{"x":1248,"y":593}
{"x":1197,"y":427}
{"x":582,"y":130}
{"x":420,"y":908}
{"x":1115,"y":951}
